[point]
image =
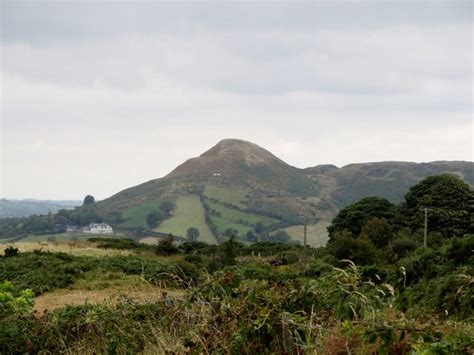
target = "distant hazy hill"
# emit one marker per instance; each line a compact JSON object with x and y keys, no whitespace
{"x":23,"y":208}
{"x":237,"y":184}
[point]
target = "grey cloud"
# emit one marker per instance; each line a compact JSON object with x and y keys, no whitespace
{"x":47,"y":22}
{"x":394,"y":61}
{"x":91,"y":87}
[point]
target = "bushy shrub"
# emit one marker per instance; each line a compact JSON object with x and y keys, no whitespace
{"x":193,"y":259}
{"x":359,"y":250}
{"x":424,"y":263}
{"x":115,"y":243}
{"x":257,"y":271}
{"x":446,"y":296}
{"x":317,"y":269}
{"x":403,"y":246}
{"x":14,"y":305}
{"x":195,"y":247}
{"x":460,"y":250}
{"x":10,"y":251}
{"x":166,"y":247}
{"x":43,"y":272}
{"x":186,"y":273}
{"x":289,"y":257}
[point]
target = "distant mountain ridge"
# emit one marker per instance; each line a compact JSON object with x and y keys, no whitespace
{"x":28,"y":207}
{"x":239,"y":176}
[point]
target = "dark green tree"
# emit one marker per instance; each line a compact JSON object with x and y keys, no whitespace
{"x":88,"y":200}
{"x":154,"y":218}
{"x":85,"y":216}
{"x":58,"y":219}
{"x":353,"y":217}
{"x":192,"y":234}
{"x":166,"y":208}
{"x":379,"y":231}
{"x":229,"y":251}
{"x":450,"y":203}
{"x":361,"y":250}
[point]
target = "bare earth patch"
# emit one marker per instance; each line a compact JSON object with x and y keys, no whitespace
{"x":112,"y":295}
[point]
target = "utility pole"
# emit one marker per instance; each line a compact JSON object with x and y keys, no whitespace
{"x":305,"y":228}
{"x":304,"y":232}
{"x":425,"y":236}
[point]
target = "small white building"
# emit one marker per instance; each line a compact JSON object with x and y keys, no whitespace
{"x":98,"y":228}
{"x":72,"y":229}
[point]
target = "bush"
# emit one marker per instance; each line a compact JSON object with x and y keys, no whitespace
{"x":424,"y":263}
{"x":166,"y":247}
{"x":10,"y":251}
{"x":193,"y":259}
{"x":460,"y":250}
{"x":403,"y":246}
{"x":317,"y":269}
{"x":11,"y":305}
{"x":360,"y":250}
{"x":198,"y":248}
{"x":119,"y":243}
{"x":448,"y":296}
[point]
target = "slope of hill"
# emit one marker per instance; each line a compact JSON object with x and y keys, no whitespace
{"x":241,"y":185}
{"x":24,"y":208}
{"x":387,"y":179}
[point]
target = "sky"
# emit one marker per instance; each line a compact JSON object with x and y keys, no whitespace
{"x":98,"y":96}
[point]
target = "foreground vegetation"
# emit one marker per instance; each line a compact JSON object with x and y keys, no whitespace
{"x":373,"y":289}
{"x":288,"y":299}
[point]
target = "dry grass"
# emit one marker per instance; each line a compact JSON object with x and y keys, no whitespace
{"x":79,"y":248}
{"x":130,"y":289}
{"x":150,"y":240}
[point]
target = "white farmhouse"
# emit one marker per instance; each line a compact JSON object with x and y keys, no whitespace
{"x":98,"y":228}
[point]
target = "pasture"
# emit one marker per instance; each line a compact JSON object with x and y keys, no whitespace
{"x":136,"y":216}
{"x":236,"y":219}
{"x":234,"y":196}
{"x":189,"y":213}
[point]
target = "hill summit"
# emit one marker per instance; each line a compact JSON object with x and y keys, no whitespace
{"x":237,"y":149}
{"x":238,"y":162}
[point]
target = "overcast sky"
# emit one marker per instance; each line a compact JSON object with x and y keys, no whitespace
{"x":99,"y":96}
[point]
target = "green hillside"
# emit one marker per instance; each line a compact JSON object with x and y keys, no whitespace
{"x":136,"y":216}
{"x":224,"y":217}
{"x":189,"y":213}
{"x":234,"y":196}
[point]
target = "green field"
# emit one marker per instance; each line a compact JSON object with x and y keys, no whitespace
{"x":189,"y":213}
{"x":234,"y":196}
{"x":316,"y":235}
{"x":235,"y":219}
{"x":136,"y":216}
